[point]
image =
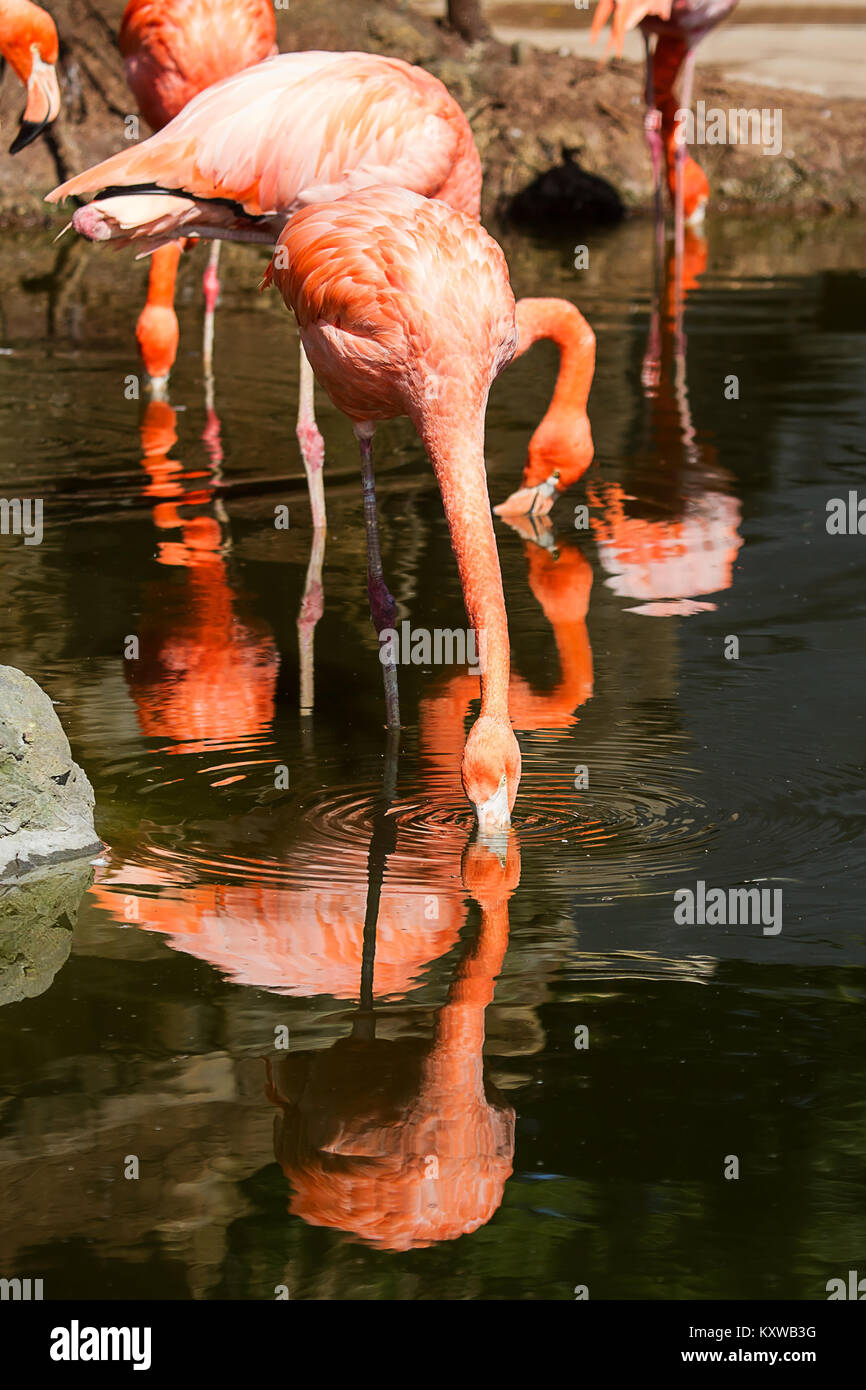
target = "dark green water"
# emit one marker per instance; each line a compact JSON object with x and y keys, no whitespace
{"x":229,"y":907}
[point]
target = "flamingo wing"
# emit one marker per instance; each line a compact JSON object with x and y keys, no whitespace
{"x":296,"y":129}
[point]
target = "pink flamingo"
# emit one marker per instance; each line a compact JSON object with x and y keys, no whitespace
{"x":405,"y":308}
{"x":28,"y":43}
{"x":173,"y":49}
{"x":251,"y":150}
{"x":305,"y":128}
{"x":677,"y":27}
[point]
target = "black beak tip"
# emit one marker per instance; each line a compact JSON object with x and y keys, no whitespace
{"x":26,"y":135}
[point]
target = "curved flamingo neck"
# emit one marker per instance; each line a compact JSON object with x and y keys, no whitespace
{"x":163,"y":275}
{"x":562,"y":439}
{"x":453,"y":1068}
{"x":563,"y":323}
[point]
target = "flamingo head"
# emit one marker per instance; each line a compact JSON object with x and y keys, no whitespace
{"x":31,"y":50}
{"x":491,"y":771}
{"x":561,"y":444}
{"x":696,"y":185}
{"x":696,"y":193}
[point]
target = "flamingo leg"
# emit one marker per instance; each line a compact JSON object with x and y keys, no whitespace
{"x":312,"y":607}
{"x":383,"y":609}
{"x":680,"y":159}
{"x":651,"y":367}
{"x":211,"y":286}
{"x":652,"y":131}
{"x":311,"y":442}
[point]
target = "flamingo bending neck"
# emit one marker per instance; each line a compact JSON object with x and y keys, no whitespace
{"x":157,"y":331}
{"x":561,"y":448}
{"x":454,"y":441}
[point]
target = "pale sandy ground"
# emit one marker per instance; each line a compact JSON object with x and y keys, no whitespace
{"x":825,"y":58}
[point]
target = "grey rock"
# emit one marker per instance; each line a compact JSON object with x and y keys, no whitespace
{"x":37,"y":914}
{"x":46,"y":800}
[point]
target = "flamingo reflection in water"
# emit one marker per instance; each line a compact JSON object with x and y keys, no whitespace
{"x":399,"y":1142}
{"x":396,"y":1142}
{"x":207,"y":670}
{"x":675,"y":543}
{"x":560,"y":578}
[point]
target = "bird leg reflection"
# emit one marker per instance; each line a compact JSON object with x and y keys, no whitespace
{"x":312,"y":607}
{"x":652,"y":131}
{"x":383,"y":842}
{"x":211,"y":286}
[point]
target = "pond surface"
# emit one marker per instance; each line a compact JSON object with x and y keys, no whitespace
{"x":354,"y":1055}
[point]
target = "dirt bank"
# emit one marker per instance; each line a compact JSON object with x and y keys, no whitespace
{"x":526,"y":106}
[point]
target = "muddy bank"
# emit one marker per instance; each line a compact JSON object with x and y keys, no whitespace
{"x":526,"y":106}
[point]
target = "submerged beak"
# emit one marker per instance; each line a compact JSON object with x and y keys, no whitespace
{"x":43,"y":103}
{"x":493,"y":814}
{"x":158,"y":387}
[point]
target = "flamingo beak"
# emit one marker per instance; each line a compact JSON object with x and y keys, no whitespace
{"x":43,"y":103}
{"x":494,"y":814}
{"x":158,"y":387}
{"x":697,"y":216}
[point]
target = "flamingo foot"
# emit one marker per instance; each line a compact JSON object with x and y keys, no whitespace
{"x":530,"y":501}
